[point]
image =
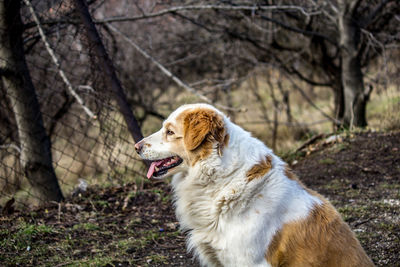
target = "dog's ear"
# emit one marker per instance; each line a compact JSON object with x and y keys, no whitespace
{"x":202,"y":124}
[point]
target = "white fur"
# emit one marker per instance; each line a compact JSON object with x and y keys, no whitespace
{"x":225,"y":213}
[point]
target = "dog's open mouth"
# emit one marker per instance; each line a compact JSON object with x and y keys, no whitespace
{"x":159,"y":168}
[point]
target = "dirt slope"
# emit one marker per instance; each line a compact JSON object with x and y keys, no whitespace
{"x":124,"y":226}
{"x":361,"y":177}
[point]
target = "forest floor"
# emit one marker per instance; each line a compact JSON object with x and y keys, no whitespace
{"x":124,"y":226}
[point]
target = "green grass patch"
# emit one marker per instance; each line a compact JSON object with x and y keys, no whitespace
{"x":354,"y":212}
{"x":335,"y":184}
{"x":98,"y":260}
{"x":23,"y":237}
{"x":156,"y":259}
{"x":327,"y":161}
{"x":86,"y":226}
{"x":389,"y":186}
{"x":132,"y":243}
{"x":26,"y":242}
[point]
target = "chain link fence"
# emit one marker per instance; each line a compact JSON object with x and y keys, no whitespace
{"x":90,"y":141}
{"x":221,"y":52}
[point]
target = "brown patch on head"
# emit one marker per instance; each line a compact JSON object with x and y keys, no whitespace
{"x":168,"y":126}
{"x":317,"y":240}
{"x":202,"y":128}
{"x":260,"y":169}
{"x":202,"y":124}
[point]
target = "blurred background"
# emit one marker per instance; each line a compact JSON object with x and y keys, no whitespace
{"x":285,"y":70}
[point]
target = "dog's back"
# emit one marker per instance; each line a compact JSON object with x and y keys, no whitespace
{"x":242,"y":206}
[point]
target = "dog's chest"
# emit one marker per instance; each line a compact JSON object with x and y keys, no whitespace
{"x":238,"y":230}
{"x":204,"y":206}
{"x":195,"y":208}
{"x":237,"y":239}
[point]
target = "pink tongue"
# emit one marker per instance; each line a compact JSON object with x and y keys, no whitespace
{"x":153,"y":166}
{"x":151,"y":169}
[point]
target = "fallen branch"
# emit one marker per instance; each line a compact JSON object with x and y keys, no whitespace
{"x":165,"y":246}
{"x":310,"y":141}
{"x":363,"y":222}
{"x":56,"y":62}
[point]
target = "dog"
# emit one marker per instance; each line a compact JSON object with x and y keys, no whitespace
{"x":241,"y":204}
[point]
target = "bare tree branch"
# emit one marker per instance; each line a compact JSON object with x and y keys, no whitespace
{"x":13,"y":146}
{"x":213,"y":7}
{"x":65,"y":106}
{"x":324,"y":11}
{"x":173,"y":10}
{"x":57,"y":63}
{"x":305,"y":96}
{"x":297,"y":30}
{"x":285,"y":123}
{"x":369,"y":19}
{"x":178,"y":81}
{"x":332,"y":6}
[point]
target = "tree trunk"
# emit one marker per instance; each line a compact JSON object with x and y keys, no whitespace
{"x":354,"y":93}
{"x":35,"y":157}
{"x":339,"y":101}
{"x":108,"y":69}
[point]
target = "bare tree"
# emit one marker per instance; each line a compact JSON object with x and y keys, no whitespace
{"x":324,"y":43}
{"x":354,"y":92}
{"x":34,"y":144}
{"x":328,"y":44}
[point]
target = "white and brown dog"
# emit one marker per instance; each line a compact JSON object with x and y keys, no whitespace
{"x":240,"y":203}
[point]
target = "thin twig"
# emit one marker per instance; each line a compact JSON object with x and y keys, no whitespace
{"x":285,"y":123}
{"x":362,"y":222}
{"x":87,"y":88}
{"x":165,"y":246}
{"x":178,"y":81}
{"x":310,"y":141}
{"x":59,"y":212}
{"x":93,"y":206}
{"x":13,"y":146}
{"x":56,"y":61}
{"x":324,"y":9}
{"x":305,"y":96}
{"x":173,"y":10}
{"x":214,"y":7}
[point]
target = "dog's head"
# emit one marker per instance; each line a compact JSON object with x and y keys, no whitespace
{"x":191,"y":134}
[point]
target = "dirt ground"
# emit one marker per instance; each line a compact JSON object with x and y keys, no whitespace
{"x":124,"y":226}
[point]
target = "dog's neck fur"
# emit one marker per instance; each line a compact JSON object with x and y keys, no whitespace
{"x":206,"y":195}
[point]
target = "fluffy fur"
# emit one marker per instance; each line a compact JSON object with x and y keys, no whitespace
{"x":239,"y":203}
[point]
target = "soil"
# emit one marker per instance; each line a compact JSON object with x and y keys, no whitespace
{"x":124,"y":226}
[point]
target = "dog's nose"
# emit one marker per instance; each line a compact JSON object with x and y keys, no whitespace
{"x":138,"y":147}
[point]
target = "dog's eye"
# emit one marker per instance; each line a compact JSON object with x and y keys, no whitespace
{"x":169,"y":132}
